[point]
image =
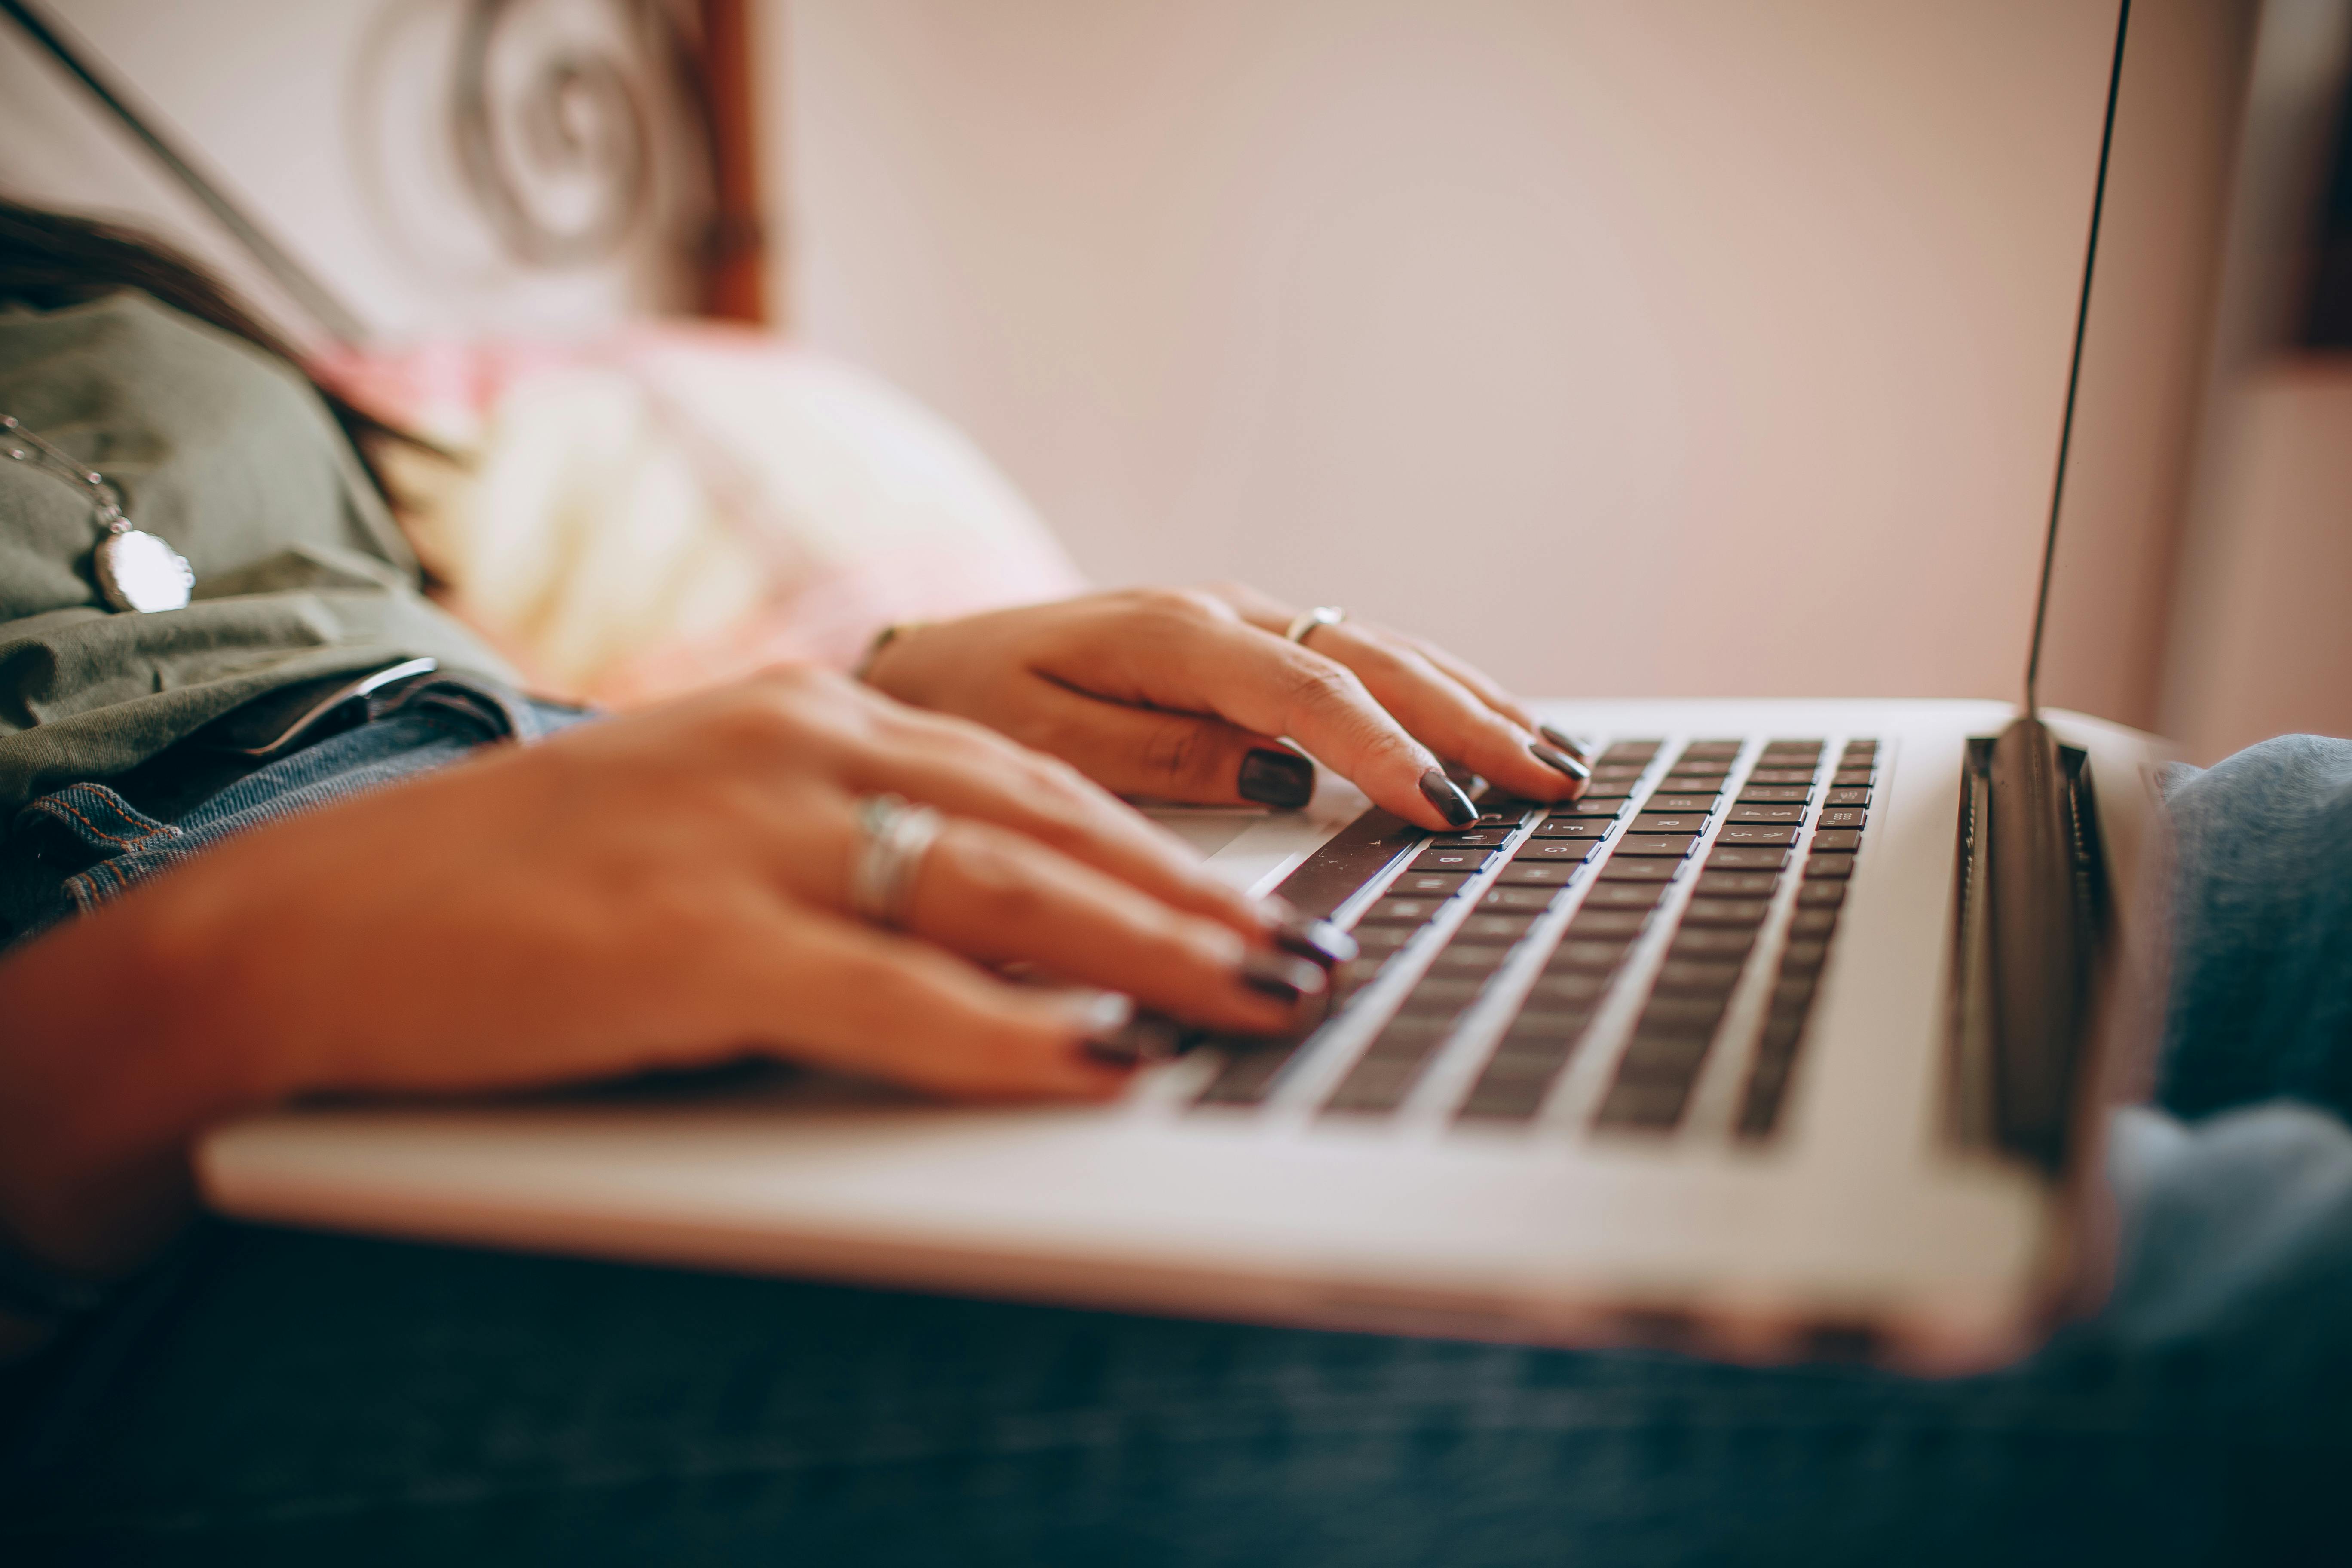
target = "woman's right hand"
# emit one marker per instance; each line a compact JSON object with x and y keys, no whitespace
{"x":661,"y":890}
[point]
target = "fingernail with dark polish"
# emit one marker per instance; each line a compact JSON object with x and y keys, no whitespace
{"x":1446,"y":795}
{"x":1284,"y":779}
{"x":1560,"y":761}
{"x":1318,"y":941}
{"x":1142,"y":1039}
{"x":1285,"y":979}
{"x":1582,"y":750}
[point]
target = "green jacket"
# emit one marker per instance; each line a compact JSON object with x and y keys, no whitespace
{"x":227,"y":454}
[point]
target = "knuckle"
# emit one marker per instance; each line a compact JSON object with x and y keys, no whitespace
{"x":1310,"y":681}
{"x":997,"y":880}
{"x":1182,"y":751}
{"x":1170,"y":605}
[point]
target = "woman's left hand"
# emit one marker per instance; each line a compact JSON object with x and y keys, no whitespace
{"x":1186,"y":695}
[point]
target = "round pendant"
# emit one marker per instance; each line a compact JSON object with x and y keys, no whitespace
{"x":136,"y":571}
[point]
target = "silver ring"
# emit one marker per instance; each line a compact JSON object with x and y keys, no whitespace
{"x":1308,"y":620}
{"x":898,"y":836}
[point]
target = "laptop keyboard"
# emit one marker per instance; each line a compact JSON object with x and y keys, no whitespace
{"x":1685,"y":907}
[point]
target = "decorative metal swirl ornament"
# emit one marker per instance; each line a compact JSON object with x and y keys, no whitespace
{"x":561,"y":161}
{"x":135,"y":570}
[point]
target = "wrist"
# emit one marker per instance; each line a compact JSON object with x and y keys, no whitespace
{"x":884,"y":640}
{"x":120,"y":1052}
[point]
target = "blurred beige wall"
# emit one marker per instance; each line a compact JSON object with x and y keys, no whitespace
{"x":1677,"y":347}
{"x":2266,"y":647}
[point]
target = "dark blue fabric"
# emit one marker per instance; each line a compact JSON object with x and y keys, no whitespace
{"x":70,"y":851}
{"x":274,"y":1396}
{"x":2261,"y":1001}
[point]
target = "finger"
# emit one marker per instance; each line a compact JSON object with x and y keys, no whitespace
{"x":1158,"y":755}
{"x":1001,"y":898}
{"x":1477,"y":681}
{"x":845,"y":995}
{"x":1197,"y":662}
{"x":1451,"y":719}
{"x":970,"y":771}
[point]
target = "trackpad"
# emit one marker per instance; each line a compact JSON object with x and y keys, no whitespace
{"x":1205,"y":830}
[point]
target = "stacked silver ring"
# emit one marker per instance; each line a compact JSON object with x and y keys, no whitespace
{"x":898,"y":836}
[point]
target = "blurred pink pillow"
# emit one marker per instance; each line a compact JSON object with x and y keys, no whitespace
{"x":680,"y":504}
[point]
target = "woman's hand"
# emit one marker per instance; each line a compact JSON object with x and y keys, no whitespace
{"x":1182,"y":695}
{"x":663,"y":890}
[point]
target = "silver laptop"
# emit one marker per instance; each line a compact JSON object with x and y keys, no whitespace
{"x":1781,"y":1040}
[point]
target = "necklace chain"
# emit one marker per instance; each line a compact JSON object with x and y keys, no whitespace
{"x":108,"y":499}
{"x":133,"y":569}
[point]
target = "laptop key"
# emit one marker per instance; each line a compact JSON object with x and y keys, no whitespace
{"x":1438,"y":858}
{"x":1249,"y":1071}
{"x":1633,"y":1106}
{"x":1561,"y":851}
{"x":1820,"y":895}
{"x":1848,"y":797}
{"x":1677,"y":1018}
{"x":1755,"y":794}
{"x":1750,"y":811}
{"x":1783,"y":776}
{"x":1403,"y":1040}
{"x":1593,"y":957}
{"x":1843,"y":816}
{"x":1852,"y":778}
{"x":1373,"y":1086}
{"x":1633,"y":868}
{"x":1815,"y":924}
{"x":1441,"y":995}
{"x":1651,"y":821}
{"x":1556,"y":1027}
{"x":1623,"y":896}
{"x":1836,"y":841}
{"x":1504,"y":1101}
{"x":1567,"y":989}
{"x":1539,"y":873}
{"x":1690,"y":974}
{"x":1493,"y":926}
{"x":1702,"y":804}
{"x":1670,"y":846}
{"x":1705,"y":911}
{"x":1771,"y":833}
{"x":1713,"y":943}
{"x":1802,"y":957}
{"x":1747,"y":858}
{"x":1469,"y":959}
{"x":1530,"y":901}
{"x":1823,"y":868}
{"x":1395,"y":911}
{"x":1473,"y":838}
{"x":1714,"y":884}
{"x":1596,"y":925}
{"x":1572,"y":827}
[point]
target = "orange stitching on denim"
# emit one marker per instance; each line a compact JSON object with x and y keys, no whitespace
{"x":52,"y":803}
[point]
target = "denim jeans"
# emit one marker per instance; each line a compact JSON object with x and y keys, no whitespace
{"x":275,"y":1396}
